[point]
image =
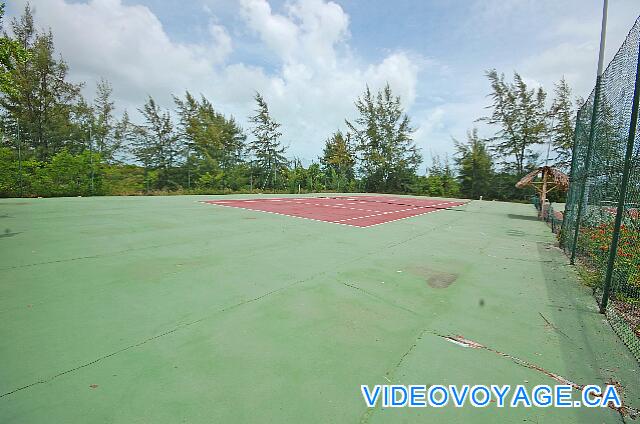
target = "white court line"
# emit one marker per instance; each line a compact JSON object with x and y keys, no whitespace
{"x":334,"y":206}
{"x":413,"y":216}
{"x":342,"y":221}
{"x":300,"y":202}
{"x":281,"y":214}
{"x":379,"y":212}
{"x":390,"y":212}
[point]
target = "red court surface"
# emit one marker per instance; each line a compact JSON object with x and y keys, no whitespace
{"x":356,"y":211}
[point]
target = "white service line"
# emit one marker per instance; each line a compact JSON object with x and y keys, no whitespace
{"x":400,"y":210}
{"x":334,"y":206}
{"x":408,"y":217}
{"x":431,"y":208}
{"x":281,"y":214}
{"x":299,"y":201}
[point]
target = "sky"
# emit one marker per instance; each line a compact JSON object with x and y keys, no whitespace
{"x":310,"y":59}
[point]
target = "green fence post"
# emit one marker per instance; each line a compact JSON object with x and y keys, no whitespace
{"x":19,"y":158}
{"x":91,"y":157}
{"x":613,"y":250}
{"x":574,"y":150}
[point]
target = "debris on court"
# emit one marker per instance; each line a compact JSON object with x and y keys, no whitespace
{"x":624,"y":410}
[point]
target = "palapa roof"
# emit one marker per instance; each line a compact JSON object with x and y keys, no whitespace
{"x":557,"y":177}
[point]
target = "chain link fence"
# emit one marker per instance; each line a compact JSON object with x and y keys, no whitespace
{"x":550,"y":215}
{"x":601,"y":225}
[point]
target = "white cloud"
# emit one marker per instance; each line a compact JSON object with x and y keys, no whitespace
{"x":400,"y":71}
{"x":570,"y":60}
{"x":310,"y":91}
{"x":276,"y":31}
{"x":221,"y":41}
{"x":128,"y":46}
{"x":300,"y":57}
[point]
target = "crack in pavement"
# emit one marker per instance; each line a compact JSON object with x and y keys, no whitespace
{"x":101,"y":255}
{"x":623,"y":410}
{"x":368,"y":413}
{"x":551,"y":325}
{"x":231,"y":307}
{"x":166,"y":333}
{"x":383,"y":300}
{"x":117,"y":252}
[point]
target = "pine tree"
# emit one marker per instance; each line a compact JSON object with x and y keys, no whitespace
{"x":12,"y":54}
{"x":609,"y":141}
{"x":215,"y":143}
{"x":440,"y":179}
{"x":382,"y":133}
{"x":520,"y":116}
{"x":562,"y":114}
{"x":475,"y":166}
{"x":124,"y":131}
{"x":267,"y":152}
{"x":103,"y":122}
{"x":157,"y":146}
{"x":338,"y":158}
{"x":43,"y":100}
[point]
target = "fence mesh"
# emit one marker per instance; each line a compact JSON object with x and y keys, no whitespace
{"x":550,"y":215}
{"x":605,"y":182}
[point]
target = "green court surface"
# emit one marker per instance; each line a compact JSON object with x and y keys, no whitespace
{"x":166,"y":310}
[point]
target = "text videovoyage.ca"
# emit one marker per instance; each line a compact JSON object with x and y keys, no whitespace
{"x":480,"y":396}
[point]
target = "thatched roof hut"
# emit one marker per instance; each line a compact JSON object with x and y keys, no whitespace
{"x":551,"y":178}
{"x":551,"y":175}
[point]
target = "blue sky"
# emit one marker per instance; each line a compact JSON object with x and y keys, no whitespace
{"x":311,"y":58}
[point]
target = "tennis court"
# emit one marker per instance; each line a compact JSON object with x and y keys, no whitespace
{"x":170,"y":310}
{"x":357,"y":211}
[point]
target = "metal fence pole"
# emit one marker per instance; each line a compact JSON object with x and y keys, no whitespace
{"x":91,"y":157}
{"x":613,"y":250}
{"x":19,"y":158}
{"x":574,"y":150}
{"x":596,"y":96}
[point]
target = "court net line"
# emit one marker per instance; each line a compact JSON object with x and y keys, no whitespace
{"x":399,"y":203}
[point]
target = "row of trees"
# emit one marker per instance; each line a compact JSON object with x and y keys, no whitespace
{"x":55,"y":142}
{"x":525,"y":129}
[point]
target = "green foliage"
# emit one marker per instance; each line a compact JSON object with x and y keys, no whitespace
{"x":64,"y":138}
{"x":520,"y":116}
{"x":210,"y":181}
{"x":503,"y":187}
{"x":315,"y":178}
{"x":156,"y":144}
{"x":65,"y":174}
{"x":563,"y":122}
{"x":123,"y":179}
{"x":12,"y":54}
{"x":103,"y":125}
{"x":594,"y":244}
{"x":43,"y":101}
{"x":215,"y":144}
{"x":70,"y":175}
{"x":475,"y":166}
{"x":382,"y":133}
{"x":440,"y":181}
{"x":16,"y":177}
{"x":268,"y":158}
{"x":338,"y":160}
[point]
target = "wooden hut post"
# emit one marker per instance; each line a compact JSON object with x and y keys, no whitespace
{"x":543,"y":193}
{"x":552,"y":179}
